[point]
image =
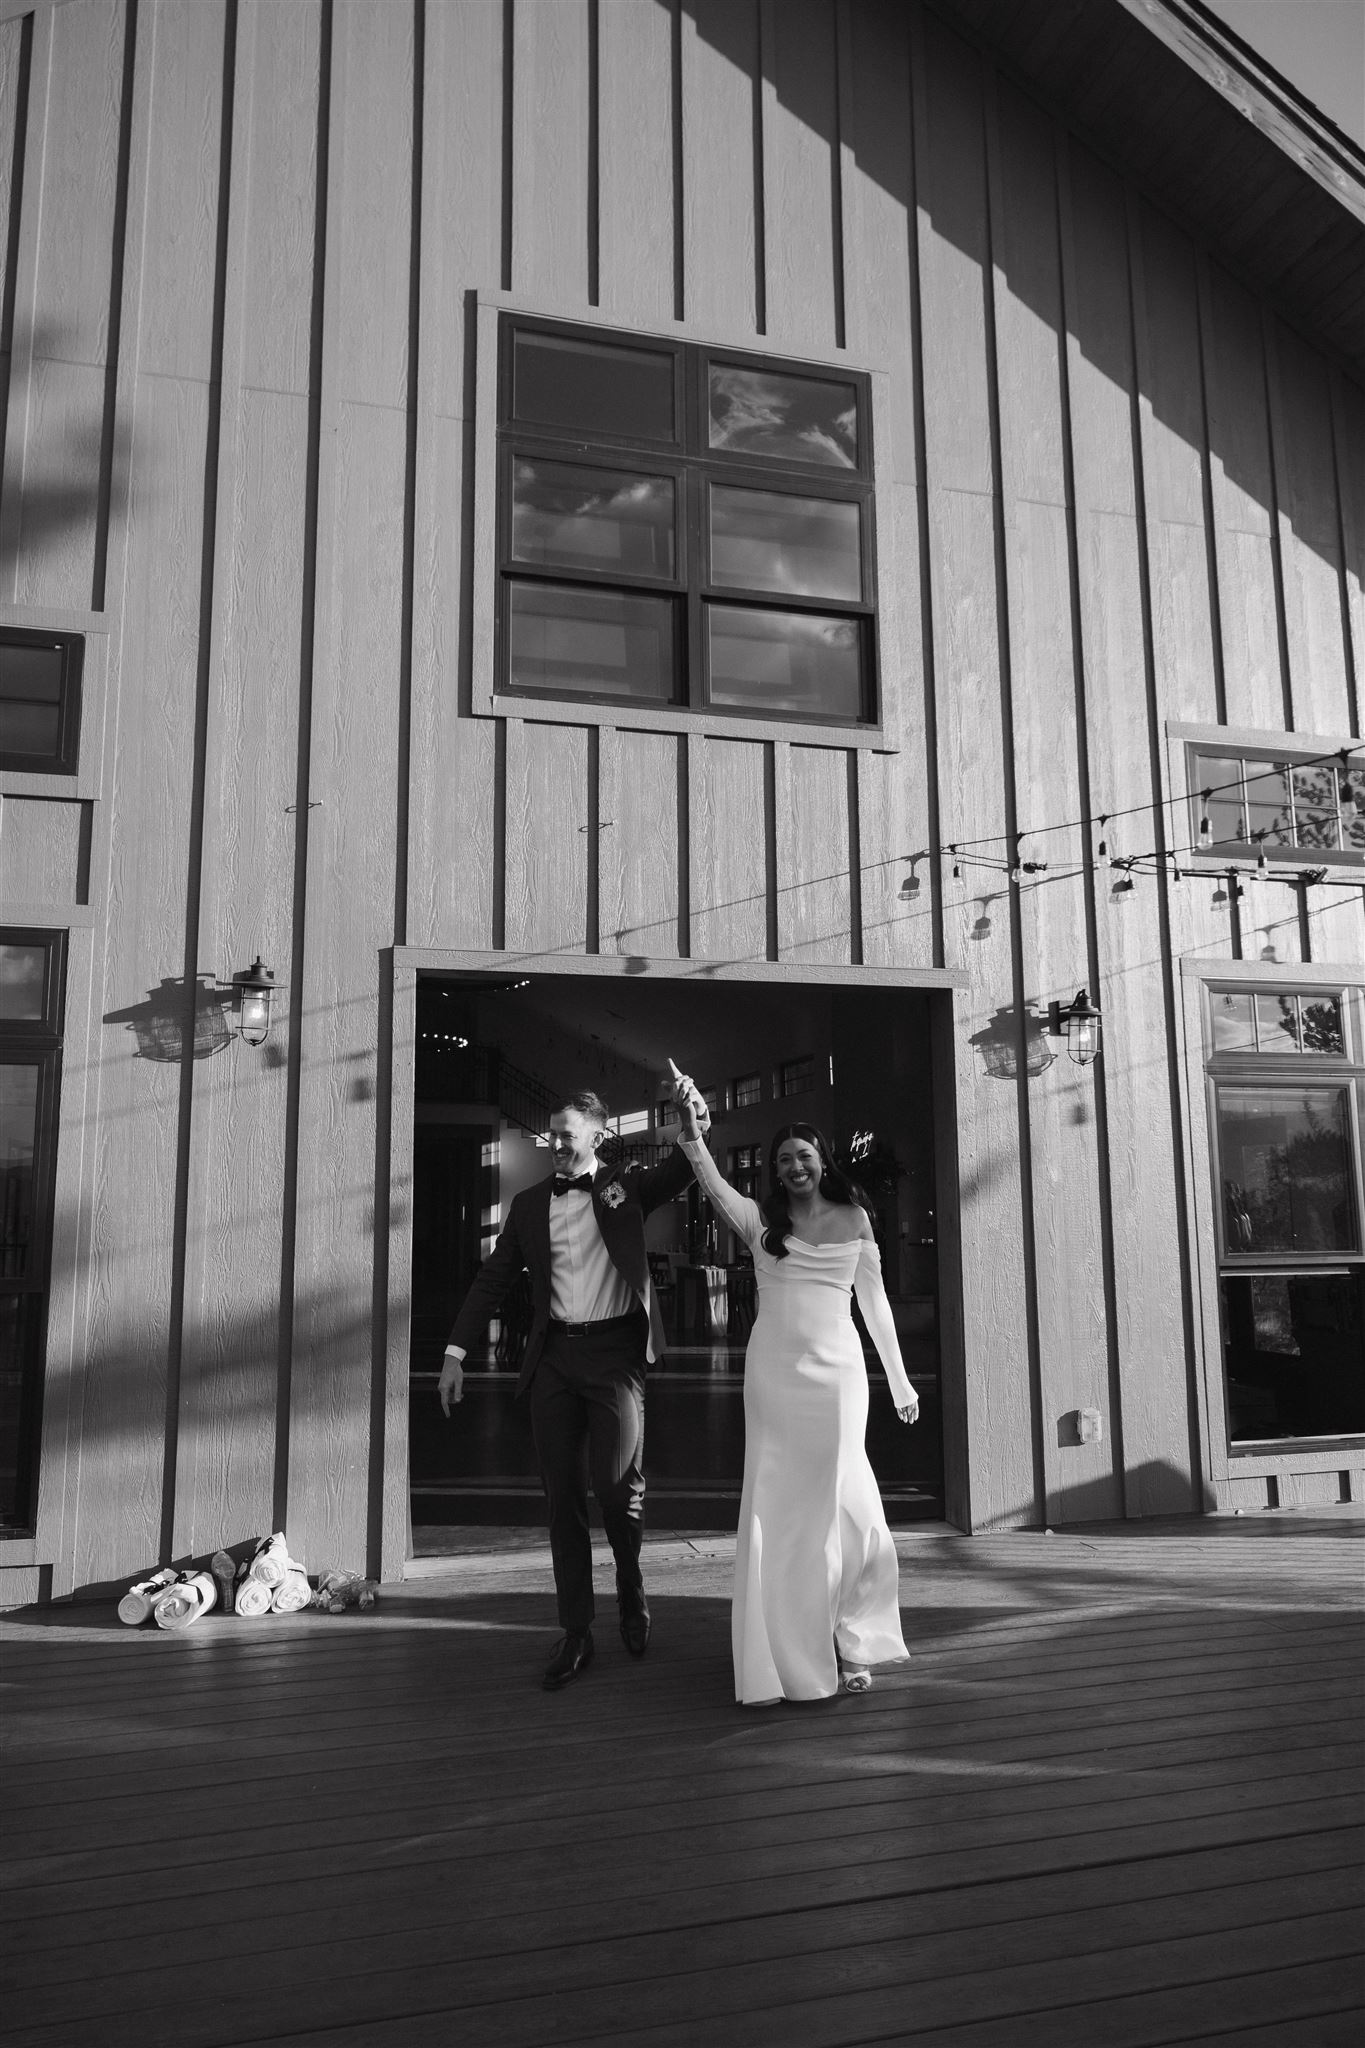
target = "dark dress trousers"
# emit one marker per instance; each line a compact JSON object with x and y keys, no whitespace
{"x":587,"y":1385}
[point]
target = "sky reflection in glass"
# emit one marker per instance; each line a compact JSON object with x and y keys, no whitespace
{"x":792,"y":419}
{"x":769,"y":540}
{"x":566,"y":515}
{"x":778,"y":661}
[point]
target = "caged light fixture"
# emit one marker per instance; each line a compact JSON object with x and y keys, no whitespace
{"x":1079,"y":1024}
{"x":254,"y":991}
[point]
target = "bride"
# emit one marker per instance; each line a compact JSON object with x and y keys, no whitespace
{"x":815,"y":1596}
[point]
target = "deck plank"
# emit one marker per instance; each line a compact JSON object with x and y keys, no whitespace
{"x":1114,"y":1796}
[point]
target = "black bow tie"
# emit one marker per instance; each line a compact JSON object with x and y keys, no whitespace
{"x":562,"y":1186}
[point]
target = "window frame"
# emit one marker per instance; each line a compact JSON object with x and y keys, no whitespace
{"x":1229,"y":1462}
{"x":894,"y":646}
{"x":37,"y":1043}
{"x":64,"y":761}
{"x":1185,"y":742}
{"x":696,"y":469}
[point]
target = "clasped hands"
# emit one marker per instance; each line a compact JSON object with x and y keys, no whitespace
{"x":692,"y":1109}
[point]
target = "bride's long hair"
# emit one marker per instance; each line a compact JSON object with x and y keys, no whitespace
{"x":835,"y":1186}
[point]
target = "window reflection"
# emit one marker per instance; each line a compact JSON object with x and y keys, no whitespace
{"x":1271,"y":1021}
{"x":18,"y":1136}
{"x":1315,"y":805}
{"x":785,"y":661}
{"x":1268,"y":816}
{"x":1233,"y":1019}
{"x":1275,"y":803}
{"x":1286,"y":1168}
{"x":769,"y":540}
{"x":567,"y":638}
{"x":1294,"y":1354}
{"x":797,"y":419}
{"x":567,"y":515}
{"x":591,"y":387}
{"x":23,"y":983}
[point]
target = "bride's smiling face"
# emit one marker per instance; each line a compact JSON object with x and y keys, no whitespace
{"x":798,"y":1166}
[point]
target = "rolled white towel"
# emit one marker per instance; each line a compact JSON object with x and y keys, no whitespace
{"x":137,"y":1602}
{"x":294,"y":1595}
{"x":253,"y":1598}
{"x":181,"y":1604}
{"x":271,"y":1564}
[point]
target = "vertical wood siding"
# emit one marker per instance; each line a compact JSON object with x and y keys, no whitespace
{"x":237,"y":367}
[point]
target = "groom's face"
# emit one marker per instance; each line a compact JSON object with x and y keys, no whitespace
{"x":573,"y":1141}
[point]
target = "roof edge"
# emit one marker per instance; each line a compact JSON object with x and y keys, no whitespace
{"x":1260,"y":94}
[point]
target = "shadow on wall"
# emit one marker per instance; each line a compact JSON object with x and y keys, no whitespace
{"x":64,"y":486}
{"x":956,"y":206}
{"x":185,"y":1437}
{"x":1153,"y":1488}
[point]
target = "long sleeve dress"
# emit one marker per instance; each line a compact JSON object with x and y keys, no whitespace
{"x":815,"y":1565}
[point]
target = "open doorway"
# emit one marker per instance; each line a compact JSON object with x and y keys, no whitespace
{"x":495,"y":1055}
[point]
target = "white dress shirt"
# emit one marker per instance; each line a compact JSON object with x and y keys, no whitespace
{"x":585,"y":1286}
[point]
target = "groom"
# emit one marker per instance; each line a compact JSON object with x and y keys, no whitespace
{"x":594,"y":1327}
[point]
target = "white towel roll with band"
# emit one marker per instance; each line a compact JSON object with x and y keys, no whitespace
{"x":272,"y":1562}
{"x":253,"y":1598}
{"x":294,"y":1595}
{"x":182,"y":1604}
{"x":138,"y":1601}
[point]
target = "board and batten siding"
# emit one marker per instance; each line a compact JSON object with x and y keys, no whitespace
{"x":243,"y":242}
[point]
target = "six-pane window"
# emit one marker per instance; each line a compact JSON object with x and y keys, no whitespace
{"x":682,"y":528}
{"x":40,"y":700}
{"x":1283,"y":806}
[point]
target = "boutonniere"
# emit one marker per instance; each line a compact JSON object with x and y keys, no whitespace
{"x":613,"y":1194}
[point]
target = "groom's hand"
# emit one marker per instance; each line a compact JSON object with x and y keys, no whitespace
{"x":692,"y":1109}
{"x":451,"y":1386}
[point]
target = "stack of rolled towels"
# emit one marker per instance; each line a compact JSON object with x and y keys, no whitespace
{"x":270,"y":1581}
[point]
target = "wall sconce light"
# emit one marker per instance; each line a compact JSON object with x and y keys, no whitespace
{"x":1079,"y":1024}
{"x":254,"y":991}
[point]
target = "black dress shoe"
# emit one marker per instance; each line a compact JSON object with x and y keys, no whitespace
{"x":571,"y":1654}
{"x":635,"y":1620}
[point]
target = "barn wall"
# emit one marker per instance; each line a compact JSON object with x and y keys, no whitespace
{"x":238,"y":345}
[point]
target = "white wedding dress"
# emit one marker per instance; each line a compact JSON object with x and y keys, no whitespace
{"x":815,"y":1565}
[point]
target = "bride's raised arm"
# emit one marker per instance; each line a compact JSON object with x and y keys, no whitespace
{"x":742,"y":1215}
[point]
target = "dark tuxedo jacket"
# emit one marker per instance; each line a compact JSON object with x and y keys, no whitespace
{"x":524,"y":1246}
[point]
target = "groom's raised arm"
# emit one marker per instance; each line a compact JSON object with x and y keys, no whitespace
{"x":658,"y":1184}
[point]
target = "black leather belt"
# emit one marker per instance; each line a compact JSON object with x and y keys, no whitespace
{"x":591,"y":1329}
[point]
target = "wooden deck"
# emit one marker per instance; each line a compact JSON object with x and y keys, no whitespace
{"x":1114,"y":1800}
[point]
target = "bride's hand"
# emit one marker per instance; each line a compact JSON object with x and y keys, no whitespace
{"x":911,"y":1412}
{"x":691,"y":1107}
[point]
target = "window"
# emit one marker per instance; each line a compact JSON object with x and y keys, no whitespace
{"x":798,"y":1077}
{"x":1294,"y":809}
{"x":746,"y":1170}
{"x":31,"y":994}
{"x":1287,"y":1088}
{"x":746,"y":1090}
{"x":683,"y":527}
{"x":40,"y":700}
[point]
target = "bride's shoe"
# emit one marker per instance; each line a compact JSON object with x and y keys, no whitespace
{"x":853,"y":1677}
